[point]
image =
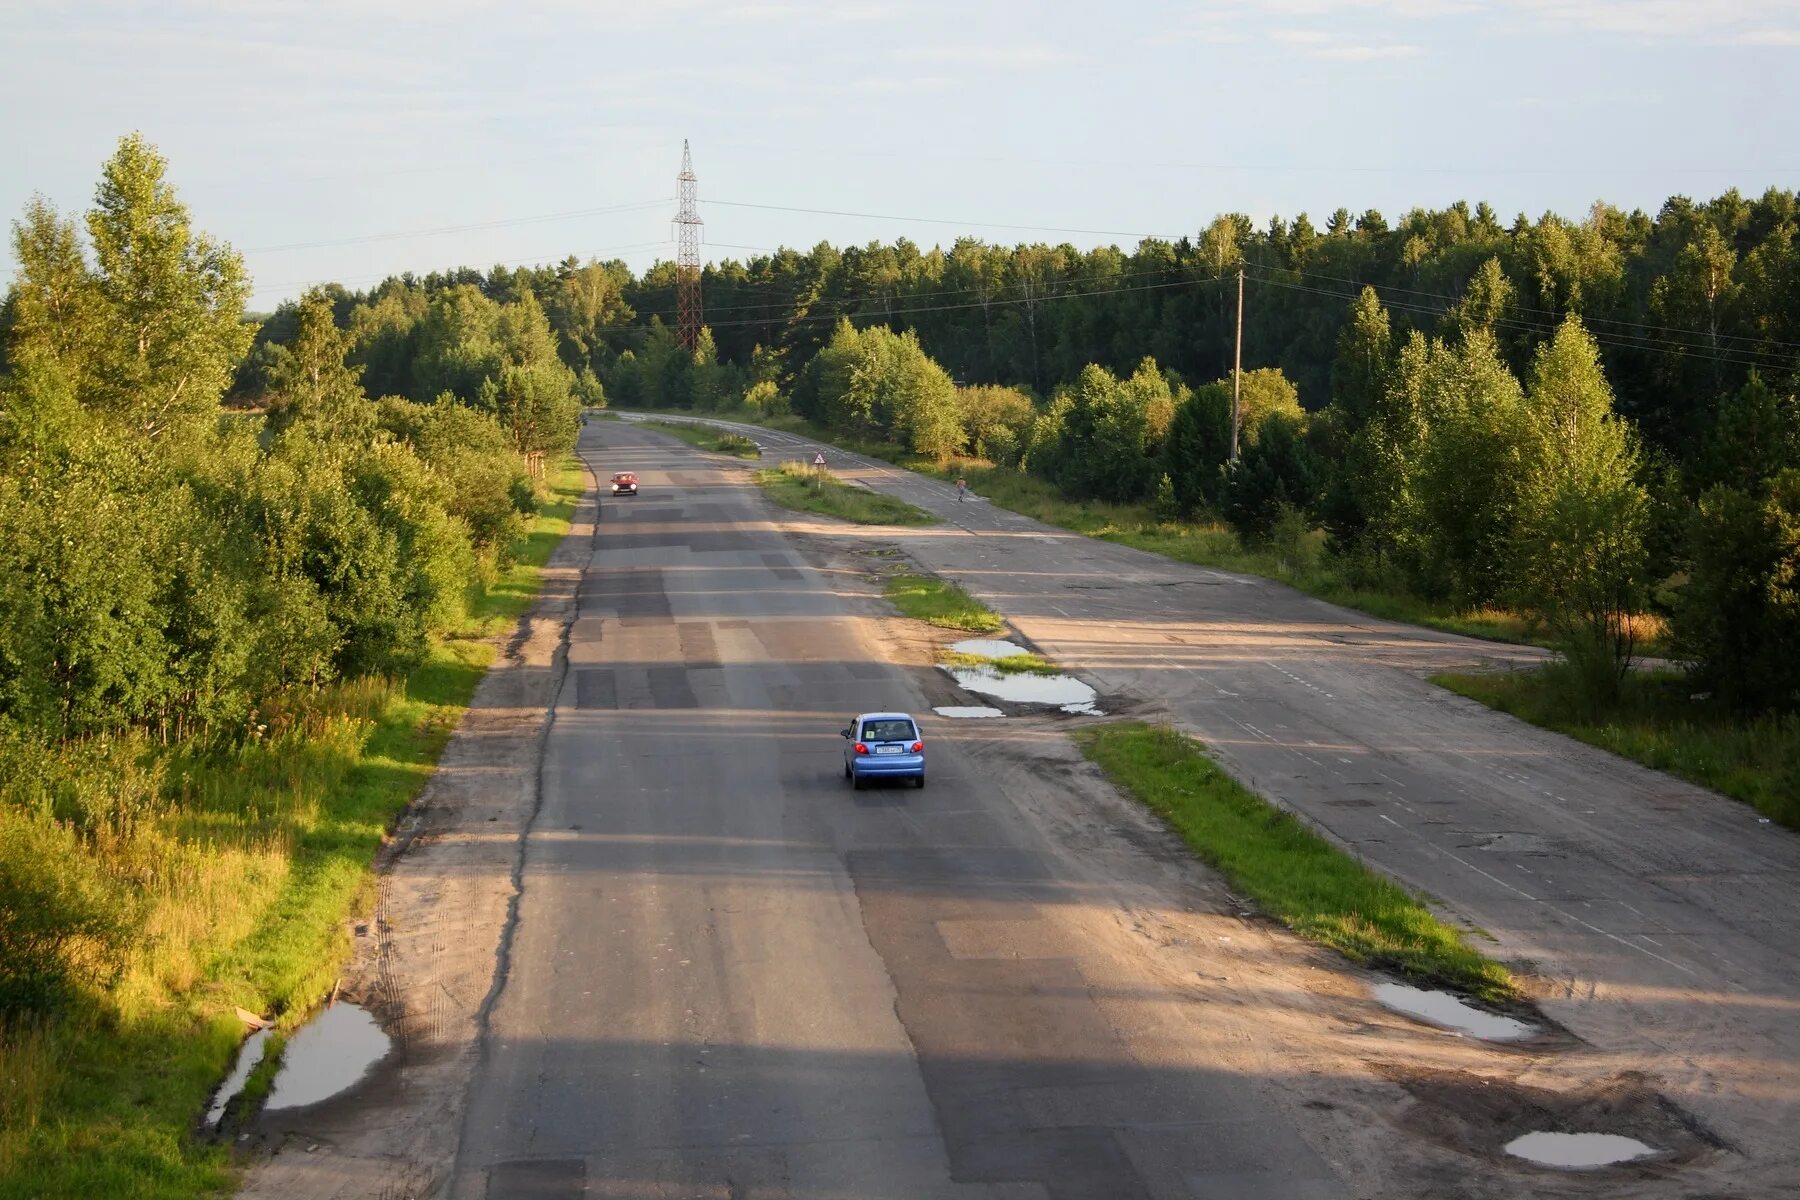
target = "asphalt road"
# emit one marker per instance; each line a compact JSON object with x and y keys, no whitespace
{"x":1658,"y":918}
{"x":730,"y":975}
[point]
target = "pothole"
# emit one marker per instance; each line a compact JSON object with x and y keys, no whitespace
{"x":1492,"y":1117}
{"x":249,"y":1054}
{"x":1577,"y":1151}
{"x":989,"y":648}
{"x":966,"y":711}
{"x":329,"y":1054}
{"x":1448,"y":1012}
{"x":1064,"y":692}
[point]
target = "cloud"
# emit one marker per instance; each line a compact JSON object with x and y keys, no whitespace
{"x":987,"y":56}
{"x":832,"y":14}
{"x":1365,"y":53}
{"x":1767,"y":37}
{"x":1731,"y":22}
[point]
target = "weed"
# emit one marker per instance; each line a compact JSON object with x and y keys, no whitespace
{"x":942,"y":603}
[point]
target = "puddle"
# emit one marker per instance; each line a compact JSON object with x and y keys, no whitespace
{"x":1064,"y":691}
{"x":330,"y":1053}
{"x":249,"y":1054}
{"x":1577,"y":1149}
{"x":989,"y":648}
{"x":1441,"y":1008}
{"x":966,"y":711}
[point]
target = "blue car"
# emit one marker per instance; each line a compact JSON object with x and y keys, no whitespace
{"x":884,"y":746}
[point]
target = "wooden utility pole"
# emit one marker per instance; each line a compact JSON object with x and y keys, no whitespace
{"x":1237,"y":369}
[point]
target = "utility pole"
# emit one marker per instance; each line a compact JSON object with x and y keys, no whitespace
{"x":1237,"y":369}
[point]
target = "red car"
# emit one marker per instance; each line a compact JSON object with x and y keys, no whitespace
{"x":624,"y":483}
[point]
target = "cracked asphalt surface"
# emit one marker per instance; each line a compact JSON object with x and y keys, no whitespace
{"x":731,"y":975}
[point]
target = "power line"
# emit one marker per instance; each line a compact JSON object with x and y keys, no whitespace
{"x":1586,"y":318}
{"x":831,"y":212}
{"x":1600,"y":338}
{"x":571,"y":215}
{"x":547,"y":259}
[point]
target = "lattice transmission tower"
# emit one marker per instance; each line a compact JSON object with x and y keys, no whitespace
{"x":688,"y":317}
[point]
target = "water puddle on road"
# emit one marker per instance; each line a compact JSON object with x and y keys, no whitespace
{"x":1066,"y":692}
{"x":989,"y":648}
{"x":966,"y":711}
{"x":1577,"y":1150}
{"x":249,"y":1054}
{"x":329,"y":1054}
{"x":1441,"y":1008}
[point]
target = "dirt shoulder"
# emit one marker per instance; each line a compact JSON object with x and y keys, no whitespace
{"x":425,"y":963}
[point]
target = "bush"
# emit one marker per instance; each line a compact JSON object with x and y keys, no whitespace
{"x":61,"y":930}
{"x":1738,"y":616}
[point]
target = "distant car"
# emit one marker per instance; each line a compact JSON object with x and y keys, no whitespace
{"x":624,"y":483}
{"x":884,"y":746}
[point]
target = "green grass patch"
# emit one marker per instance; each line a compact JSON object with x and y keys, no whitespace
{"x":1291,"y":872}
{"x":813,"y":489}
{"x":1657,"y":722}
{"x":1011,"y":664}
{"x":707,"y":437}
{"x":249,"y":876}
{"x":942,"y":603}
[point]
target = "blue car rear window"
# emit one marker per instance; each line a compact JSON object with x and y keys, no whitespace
{"x":887,"y":731}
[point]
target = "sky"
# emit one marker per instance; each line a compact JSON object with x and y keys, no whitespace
{"x":345,"y":140}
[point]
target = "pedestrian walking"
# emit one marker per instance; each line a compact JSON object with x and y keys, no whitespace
{"x":962,"y":490}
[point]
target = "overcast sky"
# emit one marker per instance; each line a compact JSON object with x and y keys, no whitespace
{"x":329,"y":139}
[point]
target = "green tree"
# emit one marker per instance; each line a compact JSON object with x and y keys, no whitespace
{"x":1578,"y":531}
{"x":1198,"y":444}
{"x":1467,"y":478}
{"x":313,"y":384}
{"x":1275,"y":475}
{"x":1738,"y":616}
{"x":171,"y":301}
{"x":1756,"y":435}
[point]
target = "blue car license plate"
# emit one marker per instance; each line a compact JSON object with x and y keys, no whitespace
{"x":887,"y":749}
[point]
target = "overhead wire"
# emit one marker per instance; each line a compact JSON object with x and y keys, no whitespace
{"x":866,"y":216}
{"x":1724,"y":355}
{"x":1586,"y":318}
{"x":402,"y":234}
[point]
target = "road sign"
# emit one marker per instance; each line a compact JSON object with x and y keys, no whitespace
{"x":819,"y":458}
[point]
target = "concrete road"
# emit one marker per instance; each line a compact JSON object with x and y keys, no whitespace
{"x":1659,"y":918}
{"x":732,"y":976}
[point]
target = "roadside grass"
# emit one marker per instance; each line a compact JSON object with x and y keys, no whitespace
{"x":705,"y":437}
{"x":941,"y":603}
{"x":1011,"y":664}
{"x":248,"y":876}
{"x":812,"y":489}
{"x":1291,"y":872}
{"x":1657,"y":722}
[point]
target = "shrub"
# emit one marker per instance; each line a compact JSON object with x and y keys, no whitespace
{"x":60,"y":930}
